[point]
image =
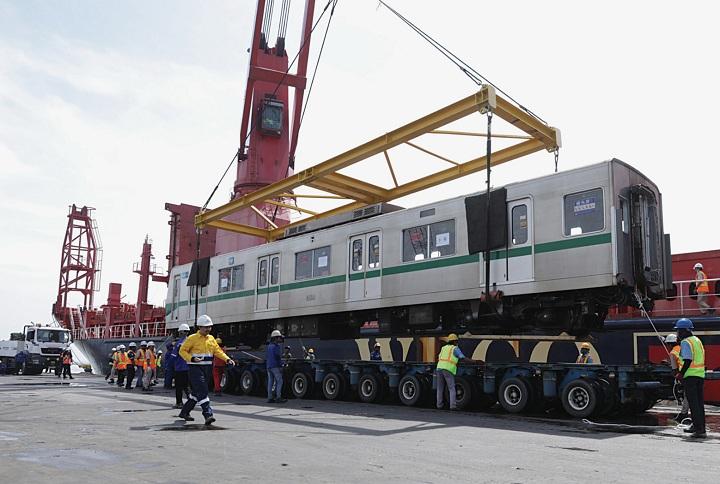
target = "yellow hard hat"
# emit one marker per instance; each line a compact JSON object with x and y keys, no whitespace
{"x":585,"y":346}
{"x":452,"y":337}
{"x":219,"y":340}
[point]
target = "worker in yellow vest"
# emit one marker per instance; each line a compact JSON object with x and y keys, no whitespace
{"x":692,"y":374}
{"x":446,"y":369}
{"x":122,"y":363}
{"x":584,"y":356}
{"x":703,"y":290}
{"x":673,"y":347}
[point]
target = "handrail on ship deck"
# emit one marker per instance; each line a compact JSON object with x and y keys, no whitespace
{"x":687,"y":308}
{"x":155,"y":329}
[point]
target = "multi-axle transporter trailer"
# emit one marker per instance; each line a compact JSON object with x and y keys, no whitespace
{"x":581,"y":390}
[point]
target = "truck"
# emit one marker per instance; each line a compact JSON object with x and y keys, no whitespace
{"x":36,"y":348}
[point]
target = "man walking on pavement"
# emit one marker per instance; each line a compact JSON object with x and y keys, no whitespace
{"x":181,"y":367}
{"x":198,"y":351}
{"x":273,"y":364}
{"x":448,"y":359}
{"x":122,"y":363}
{"x":692,"y":374}
{"x":111,"y":373}
{"x":132,"y":347}
{"x":140,"y":364}
{"x":150,"y":363}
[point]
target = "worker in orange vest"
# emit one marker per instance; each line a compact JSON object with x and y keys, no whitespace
{"x":703,"y":290}
{"x":122,"y":364}
{"x":66,"y":362}
{"x":584,"y":356}
{"x":140,"y":364}
{"x":150,"y":366}
{"x":218,"y":368}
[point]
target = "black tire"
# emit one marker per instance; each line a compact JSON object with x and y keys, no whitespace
{"x":580,"y":398}
{"x":248,"y":382}
{"x":333,"y":386}
{"x":301,"y":385}
{"x":369,"y":388}
{"x":228,"y":381}
{"x":464,"y":393}
{"x":515,"y":395}
{"x":410,"y":390}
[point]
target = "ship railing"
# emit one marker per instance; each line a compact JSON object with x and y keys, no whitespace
{"x":687,"y":302}
{"x":155,"y":329}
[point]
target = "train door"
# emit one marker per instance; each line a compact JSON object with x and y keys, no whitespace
{"x":267,"y":293}
{"x":520,"y":262}
{"x":175,"y":297}
{"x":364,"y":266}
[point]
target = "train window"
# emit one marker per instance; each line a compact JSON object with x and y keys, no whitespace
{"x":262,"y":273}
{"x":321,"y":261}
{"x":519,"y":224}
{"x":231,"y":278}
{"x":303,"y":265}
{"x":312,"y":263}
{"x":357,"y":255}
{"x":442,"y":238}
{"x":624,"y":216}
{"x":441,"y":241}
{"x":274,"y":270}
{"x":374,"y":252}
{"x":584,"y":212}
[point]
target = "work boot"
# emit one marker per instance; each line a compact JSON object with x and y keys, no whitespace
{"x":281,"y":400}
{"x":187,"y":418}
{"x":271,"y":400}
{"x":209,"y":420}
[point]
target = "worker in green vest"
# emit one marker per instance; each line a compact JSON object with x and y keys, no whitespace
{"x":448,"y":359}
{"x":692,"y":375}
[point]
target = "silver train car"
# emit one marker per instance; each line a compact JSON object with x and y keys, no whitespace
{"x":563,"y":249}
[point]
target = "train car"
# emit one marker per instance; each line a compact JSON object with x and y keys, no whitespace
{"x":564,"y":248}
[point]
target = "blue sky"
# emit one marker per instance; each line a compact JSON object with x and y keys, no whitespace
{"x":126,"y":105}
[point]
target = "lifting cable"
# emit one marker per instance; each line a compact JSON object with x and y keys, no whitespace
{"x":267,"y":22}
{"x":284,"y":15}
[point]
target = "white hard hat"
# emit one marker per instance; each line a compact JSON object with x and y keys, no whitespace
{"x":151,"y":343}
{"x":132,"y":345}
{"x":698,"y":266}
{"x":184,"y":327}
{"x":159,"y":352}
{"x":276,"y":334}
{"x":114,"y":349}
{"x":121,"y":347}
{"x":671,"y":338}
{"x":204,"y":320}
{"x":143,"y":343}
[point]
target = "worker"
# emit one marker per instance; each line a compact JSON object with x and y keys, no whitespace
{"x":150,"y":365}
{"x":122,"y":363}
{"x":672,"y":346}
{"x":584,"y":356}
{"x":273,"y":365}
{"x":446,"y":369}
{"x":309,"y":354}
{"x":181,"y":367}
{"x":168,"y":365}
{"x":132,"y":348}
{"x":67,"y":361}
{"x":111,"y":362}
{"x":375,"y":355}
{"x":703,"y":289}
{"x":218,"y":366}
{"x":692,"y":375}
{"x":287,"y":354}
{"x":113,"y":371}
{"x":198,"y":351}
{"x":140,"y":364}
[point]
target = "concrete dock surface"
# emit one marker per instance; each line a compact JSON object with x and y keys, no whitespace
{"x":86,"y":431}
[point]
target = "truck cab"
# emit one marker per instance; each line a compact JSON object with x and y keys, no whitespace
{"x":36,"y":348}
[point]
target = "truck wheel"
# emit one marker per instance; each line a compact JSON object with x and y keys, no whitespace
{"x":463,"y":392}
{"x":369,"y":388}
{"x":333,"y":386}
{"x":410,"y":390}
{"x":515,"y":394}
{"x":580,"y":398}
{"x":248,"y":382}
{"x":228,"y":382}
{"x":301,"y":385}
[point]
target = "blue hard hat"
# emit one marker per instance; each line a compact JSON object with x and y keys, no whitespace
{"x":684,"y":323}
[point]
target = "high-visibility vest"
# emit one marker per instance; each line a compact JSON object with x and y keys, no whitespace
{"x":150,"y":360}
{"x":114,"y":358}
{"x":582,"y":358}
{"x":122,"y":361}
{"x":140,"y":358}
{"x":675,"y":353}
{"x":697,"y":366}
{"x":67,"y":360}
{"x":702,"y":287}
{"x":447,"y":359}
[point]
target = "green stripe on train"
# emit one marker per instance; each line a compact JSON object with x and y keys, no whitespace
{"x":555,"y":246}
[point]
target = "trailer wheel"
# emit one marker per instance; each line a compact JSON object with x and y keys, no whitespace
{"x":301,"y":385}
{"x":514,"y":394}
{"x":369,"y":388}
{"x":464,"y":392}
{"x":410,"y":390}
{"x":248,"y":382}
{"x":580,"y":398}
{"x":228,"y":382}
{"x":333,"y":386}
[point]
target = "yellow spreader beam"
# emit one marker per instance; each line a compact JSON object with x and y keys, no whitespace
{"x":325,"y":177}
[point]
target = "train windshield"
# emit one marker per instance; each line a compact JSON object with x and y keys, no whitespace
{"x":52,"y":336}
